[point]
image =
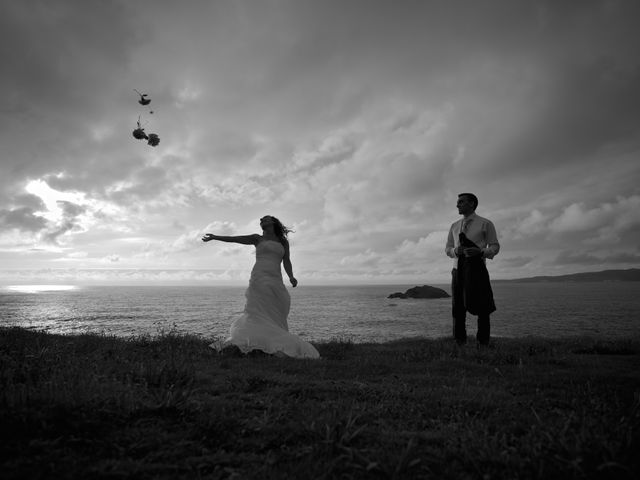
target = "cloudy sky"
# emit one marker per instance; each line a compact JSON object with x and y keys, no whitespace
{"x":356,"y":122}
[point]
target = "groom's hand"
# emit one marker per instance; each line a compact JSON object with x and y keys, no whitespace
{"x":472,"y":252}
{"x":208,"y":237}
{"x":293,"y":281}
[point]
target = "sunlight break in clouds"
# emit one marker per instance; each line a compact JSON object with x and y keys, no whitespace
{"x":66,"y":213}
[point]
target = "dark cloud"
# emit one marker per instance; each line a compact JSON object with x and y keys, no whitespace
{"x":515,"y":262}
{"x":334,"y":150}
{"x":22,"y":218}
{"x":588,"y":108}
{"x":62,"y":53}
{"x":29,"y":201}
{"x":22,"y":214}
{"x":577,"y":92}
{"x":144,"y":184}
{"x":567,"y":257}
{"x":68,"y":221}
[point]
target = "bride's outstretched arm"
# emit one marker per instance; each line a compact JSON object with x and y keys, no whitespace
{"x":243,"y":239}
{"x":286,"y":263}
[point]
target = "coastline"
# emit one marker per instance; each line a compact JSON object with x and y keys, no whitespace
{"x":169,"y":407}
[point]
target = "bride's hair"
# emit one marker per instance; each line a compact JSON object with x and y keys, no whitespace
{"x":279,"y":229}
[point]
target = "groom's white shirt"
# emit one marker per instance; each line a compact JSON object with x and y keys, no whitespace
{"x":479,"y":230}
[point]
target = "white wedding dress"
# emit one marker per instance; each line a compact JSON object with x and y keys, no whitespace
{"x":263,"y":324}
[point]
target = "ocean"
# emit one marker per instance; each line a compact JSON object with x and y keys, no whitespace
{"x":608,"y":310}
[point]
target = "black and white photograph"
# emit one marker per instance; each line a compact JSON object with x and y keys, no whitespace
{"x":318,"y":239}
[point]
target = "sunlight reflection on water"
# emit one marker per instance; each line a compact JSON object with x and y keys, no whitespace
{"x":40,"y":288}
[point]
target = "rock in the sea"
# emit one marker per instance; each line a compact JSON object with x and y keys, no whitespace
{"x":424,"y":291}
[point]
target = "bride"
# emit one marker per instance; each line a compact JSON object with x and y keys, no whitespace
{"x":263,"y":325}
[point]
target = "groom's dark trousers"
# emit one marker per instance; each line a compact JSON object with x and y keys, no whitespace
{"x":471,"y":292}
{"x":459,"y":311}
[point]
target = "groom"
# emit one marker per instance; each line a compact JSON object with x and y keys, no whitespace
{"x":471,"y":240}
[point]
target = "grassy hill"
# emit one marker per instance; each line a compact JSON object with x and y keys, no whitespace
{"x":99,"y":407}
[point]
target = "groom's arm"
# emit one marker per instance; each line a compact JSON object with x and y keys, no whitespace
{"x":450,"y":247}
{"x":493,"y":247}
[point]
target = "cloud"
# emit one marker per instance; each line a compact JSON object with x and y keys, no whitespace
{"x":514,"y":262}
{"x":624,"y":213}
{"x":221,"y":228}
{"x":144,"y":185}
{"x":568,"y":257}
{"x":587,"y":223}
{"x":533,"y":224}
{"x":365,"y":259}
{"x":603,"y":225}
{"x":67,"y":222}
{"x":410,"y":257}
{"x":337,"y":147}
{"x":358,"y":129}
{"x":22,"y":218}
{"x":423,"y":249}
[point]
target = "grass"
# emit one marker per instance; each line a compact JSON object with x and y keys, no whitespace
{"x":101,"y":407}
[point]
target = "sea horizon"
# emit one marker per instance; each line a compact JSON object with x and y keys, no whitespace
{"x":323,"y":312}
{"x":73,"y":277}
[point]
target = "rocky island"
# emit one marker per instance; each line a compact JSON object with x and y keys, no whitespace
{"x":425,"y":291}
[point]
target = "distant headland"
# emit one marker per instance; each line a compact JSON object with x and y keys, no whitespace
{"x":629,"y":275}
